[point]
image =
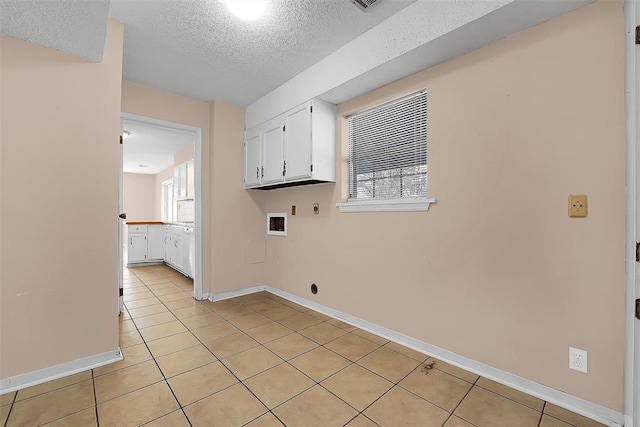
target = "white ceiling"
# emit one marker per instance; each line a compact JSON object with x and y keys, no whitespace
{"x":199,"y":49}
{"x":300,"y":50}
{"x":151,"y":146}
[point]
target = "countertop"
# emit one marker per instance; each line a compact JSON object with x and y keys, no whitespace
{"x":180,"y":224}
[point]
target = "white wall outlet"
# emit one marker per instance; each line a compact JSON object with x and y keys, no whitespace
{"x":577,"y":359}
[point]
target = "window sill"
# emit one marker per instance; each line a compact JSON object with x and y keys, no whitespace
{"x":397,"y":205}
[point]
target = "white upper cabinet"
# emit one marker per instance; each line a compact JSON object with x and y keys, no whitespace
{"x":183,"y":181}
{"x":252,"y":161}
{"x":298,"y":143}
{"x":273,"y":154}
{"x":294,"y":148}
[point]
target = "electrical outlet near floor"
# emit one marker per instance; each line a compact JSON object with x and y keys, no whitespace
{"x":577,"y":359}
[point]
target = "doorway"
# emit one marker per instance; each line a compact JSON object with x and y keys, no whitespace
{"x":166,"y":207}
{"x":632,"y":333}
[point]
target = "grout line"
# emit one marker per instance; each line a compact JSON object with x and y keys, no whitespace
{"x":95,"y":398}
{"x":544,"y":404}
{"x":158,"y":366}
{"x":15,"y":396}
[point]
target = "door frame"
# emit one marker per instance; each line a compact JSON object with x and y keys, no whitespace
{"x":197,"y":161}
{"x":632,"y":326}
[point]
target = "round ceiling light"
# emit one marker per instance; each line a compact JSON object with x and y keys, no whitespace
{"x":247,"y":9}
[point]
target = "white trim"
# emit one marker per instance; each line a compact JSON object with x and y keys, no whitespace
{"x":564,"y":400}
{"x":197,"y":160}
{"x":237,"y":293}
{"x":29,"y":379}
{"x":632,"y":100}
{"x":395,"y":205}
{"x":271,"y":232}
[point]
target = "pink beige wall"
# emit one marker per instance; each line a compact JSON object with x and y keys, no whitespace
{"x":59,"y":127}
{"x":237,"y":216}
{"x":495,"y":271}
{"x":139,"y":197}
{"x":159,"y":178}
{"x":183,"y":155}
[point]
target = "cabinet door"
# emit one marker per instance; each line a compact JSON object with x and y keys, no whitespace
{"x":137,"y":251}
{"x":252,"y":161}
{"x":273,"y":154}
{"x":155,"y":242}
{"x":178,"y":252}
{"x":188,"y":245}
{"x":298,"y":143}
{"x":191,"y":183}
{"x":176,"y":183}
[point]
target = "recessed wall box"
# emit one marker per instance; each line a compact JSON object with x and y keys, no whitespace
{"x":277,"y":224}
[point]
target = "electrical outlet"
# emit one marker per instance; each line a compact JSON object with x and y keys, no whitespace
{"x":577,"y":359}
{"x":577,"y":205}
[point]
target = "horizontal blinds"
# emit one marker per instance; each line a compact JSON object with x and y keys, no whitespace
{"x":388,"y":149}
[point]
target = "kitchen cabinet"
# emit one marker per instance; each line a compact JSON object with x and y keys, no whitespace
{"x":273,"y":154}
{"x":294,"y":148}
{"x":184,"y":181}
{"x":145,"y":243}
{"x":137,"y":251}
{"x":180,"y":249}
{"x":252,"y":161}
{"x":155,"y":242}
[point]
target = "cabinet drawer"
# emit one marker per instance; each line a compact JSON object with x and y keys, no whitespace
{"x":137,"y":229}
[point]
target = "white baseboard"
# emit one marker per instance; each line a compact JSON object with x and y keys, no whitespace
{"x":29,"y":379}
{"x":239,"y":292}
{"x":564,"y":400}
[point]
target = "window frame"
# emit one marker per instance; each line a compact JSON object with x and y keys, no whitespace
{"x":406,"y":204}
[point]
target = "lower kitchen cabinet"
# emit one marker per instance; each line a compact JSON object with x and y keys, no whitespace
{"x":157,"y":243}
{"x":137,"y":251}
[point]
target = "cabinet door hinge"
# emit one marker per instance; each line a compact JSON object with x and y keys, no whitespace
{"x":121,"y":292}
{"x":120,"y":139}
{"x":638,"y":34}
{"x":284,"y":128}
{"x":284,"y":167}
{"x":638,"y":308}
{"x":637,"y":251}
{"x":311,"y":109}
{"x":311,"y":168}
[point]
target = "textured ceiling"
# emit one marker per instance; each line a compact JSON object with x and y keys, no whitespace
{"x":197,"y":48}
{"x":73,"y":26}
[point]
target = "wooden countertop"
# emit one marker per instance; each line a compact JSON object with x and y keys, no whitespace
{"x":145,"y":222}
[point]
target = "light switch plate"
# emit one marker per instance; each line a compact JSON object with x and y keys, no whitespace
{"x":577,"y":205}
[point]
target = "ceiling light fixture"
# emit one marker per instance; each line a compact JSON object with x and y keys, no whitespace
{"x":247,"y":9}
{"x":125,"y":134}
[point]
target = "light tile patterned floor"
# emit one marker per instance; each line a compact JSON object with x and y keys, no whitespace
{"x":260,"y":360}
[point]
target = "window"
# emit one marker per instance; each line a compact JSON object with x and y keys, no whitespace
{"x":388,"y":156}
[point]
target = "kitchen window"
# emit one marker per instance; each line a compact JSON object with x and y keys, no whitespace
{"x":388,"y":157}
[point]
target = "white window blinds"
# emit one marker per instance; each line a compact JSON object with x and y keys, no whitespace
{"x":388,"y":150}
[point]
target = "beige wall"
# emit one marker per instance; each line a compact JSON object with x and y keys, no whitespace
{"x":59,"y":127}
{"x":139,"y":197}
{"x":159,"y":178}
{"x":495,"y":271}
{"x":238,"y":217}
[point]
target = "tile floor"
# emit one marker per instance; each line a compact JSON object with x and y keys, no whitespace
{"x":260,"y":360}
